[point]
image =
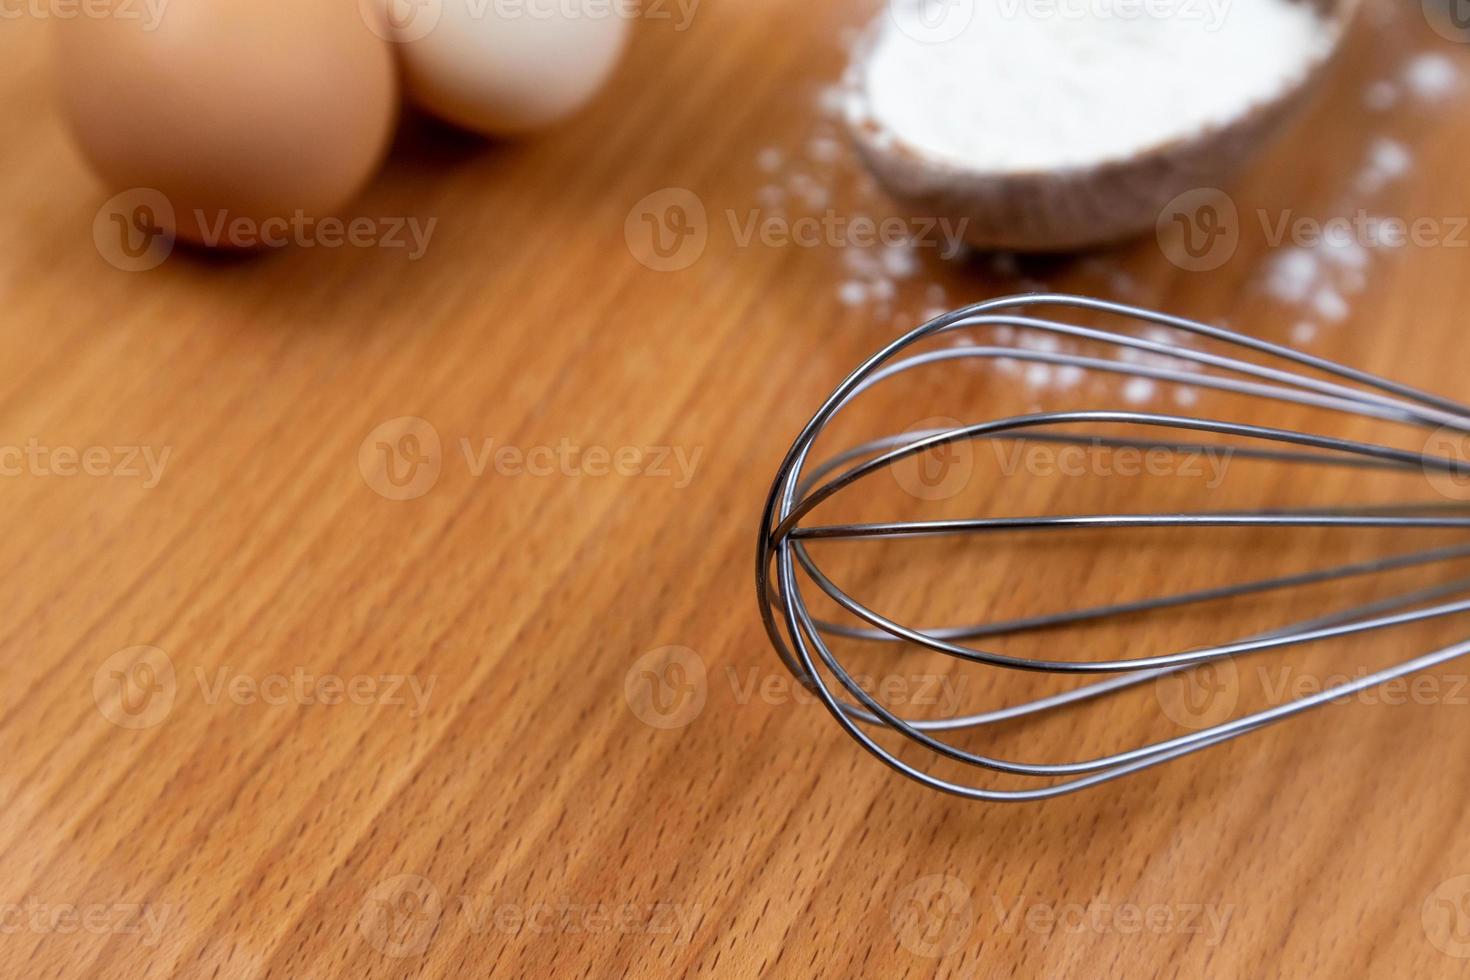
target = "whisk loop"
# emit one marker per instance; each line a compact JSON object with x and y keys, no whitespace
{"x":1256,"y":369}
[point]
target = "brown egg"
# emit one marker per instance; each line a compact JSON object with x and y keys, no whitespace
{"x":230,"y":109}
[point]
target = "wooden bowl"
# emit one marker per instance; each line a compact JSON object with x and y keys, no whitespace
{"x":1081,"y":207}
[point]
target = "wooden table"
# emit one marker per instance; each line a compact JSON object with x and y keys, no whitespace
{"x":260,"y":718}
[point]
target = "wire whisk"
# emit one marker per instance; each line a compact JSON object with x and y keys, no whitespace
{"x":1146,"y":345}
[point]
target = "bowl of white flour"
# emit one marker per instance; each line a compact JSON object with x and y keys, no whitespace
{"x":1056,"y":125}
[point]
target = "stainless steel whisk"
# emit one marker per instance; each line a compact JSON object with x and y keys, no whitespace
{"x":1254,"y":368}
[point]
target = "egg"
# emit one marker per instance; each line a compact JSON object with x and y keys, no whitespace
{"x":231,"y":110}
{"x":505,"y":67}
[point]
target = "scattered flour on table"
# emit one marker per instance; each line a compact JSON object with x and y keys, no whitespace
{"x":1380,"y":96}
{"x":819,"y":176}
{"x":1136,"y":391}
{"x":1427,"y":78}
{"x":770,"y":159}
{"x":824,"y":149}
{"x":1432,"y":76}
{"x":1388,"y":160}
{"x":852,"y":293}
{"x":1320,"y":279}
{"x":889,"y":280}
{"x":1303,"y":333}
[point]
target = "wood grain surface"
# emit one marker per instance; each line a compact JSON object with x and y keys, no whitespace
{"x":260,"y":719}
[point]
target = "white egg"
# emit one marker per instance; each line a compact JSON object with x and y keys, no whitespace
{"x":505,"y":66}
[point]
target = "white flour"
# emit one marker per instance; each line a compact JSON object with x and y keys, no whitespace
{"x":1027,"y":86}
{"x":1321,"y":279}
{"x":1312,"y":284}
{"x":1432,"y":76}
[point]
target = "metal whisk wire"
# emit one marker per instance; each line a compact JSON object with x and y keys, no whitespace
{"x":783,"y":557}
